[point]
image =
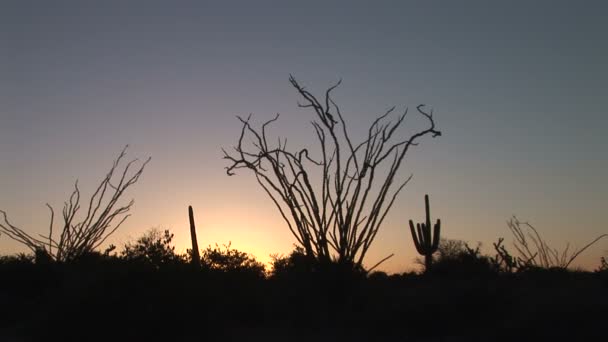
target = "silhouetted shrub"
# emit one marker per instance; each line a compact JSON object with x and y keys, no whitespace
{"x":230,"y":260}
{"x":298,"y":265}
{"x":18,"y":259}
{"x":335,"y":226}
{"x":504,"y":262}
{"x":447,"y":249}
{"x":378,"y":275}
{"x":153,"y":249}
{"x":456,"y":258}
{"x":602,"y":270}
{"x":81,"y":236}
{"x":534,"y":251}
{"x":451,"y":248}
{"x":295,"y":263}
{"x":406,"y":275}
{"x":603,"y":265}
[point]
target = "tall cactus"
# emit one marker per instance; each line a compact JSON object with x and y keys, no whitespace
{"x":425,"y":243}
{"x":196,"y":258}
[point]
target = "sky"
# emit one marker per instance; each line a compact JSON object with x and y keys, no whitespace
{"x":518,"y":89}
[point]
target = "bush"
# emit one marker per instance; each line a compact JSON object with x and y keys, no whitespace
{"x":229,"y":260}
{"x":153,"y":249}
{"x":603,"y":265}
{"x":16,"y":260}
{"x":295,"y":263}
{"x":456,"y":258}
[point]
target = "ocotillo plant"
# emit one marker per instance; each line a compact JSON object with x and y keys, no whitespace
{"x":196,"y":258}
{"x":425,"y":243}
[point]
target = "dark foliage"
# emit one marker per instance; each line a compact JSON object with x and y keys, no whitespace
{"x":602,"y":271}
{"x":153,"y":250}
{"x":16,"y":260}
{"x":456,"y":258}
{"x":104,"y":297}
{"x":603,"y":265}
{"x":230,"y":260}
{"x":148,"y":293}
{"x":299,"y":268}
{"x":295,"y":263}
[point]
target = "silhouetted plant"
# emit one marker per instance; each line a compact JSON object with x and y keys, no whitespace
{"x":503,"y":261}
{"x":79,"y":238}
{"x":602,"y":270}
{"x":17,"y":259}
{"x":295,"y":263}
{"x":195,"y":258}
{"x":534,"y":251}
{"x":457,"y":258}
{"x":603,"y":265}
{"x":449,"y":248}
{"x":446,"y":249}
{"x":228,"y":260}
{"x":425,"y":242}
{"x":153,"y":249}
{"x":378,"y":276}
{"x":336,"y":217}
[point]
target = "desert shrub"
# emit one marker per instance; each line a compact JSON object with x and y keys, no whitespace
{"x":455,"y":257}
{"x":295,"y":263}
{"x":447,"y":249}
{"x":301,"y":273}
{"x":504,"y":262}
{"x":450,"y":248}
{"x":80,"y":236}
{"x":231,"y":260}
{"x":378,"y":276}
{"x":603,"y":265}
{"x":153,"y":249}
{"x":352,"y":212}
{"x":533,"y":251}
{"x":602,"y":270}
{"x":17,"y":259}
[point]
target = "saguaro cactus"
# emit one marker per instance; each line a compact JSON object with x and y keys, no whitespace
{"x":196,"y":258}
{"x":425,"y":243}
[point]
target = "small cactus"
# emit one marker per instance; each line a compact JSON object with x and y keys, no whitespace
{"x":421,"y":234}
{"x":196,"y":258}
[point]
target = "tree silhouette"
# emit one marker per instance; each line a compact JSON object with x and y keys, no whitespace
{"x":79,"y":238}
{"x":334,"y":203}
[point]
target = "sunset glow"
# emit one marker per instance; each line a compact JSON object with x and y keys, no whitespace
{"x":521,"y":104}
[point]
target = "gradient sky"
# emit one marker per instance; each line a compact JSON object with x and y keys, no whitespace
{"x":519,"y":89}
